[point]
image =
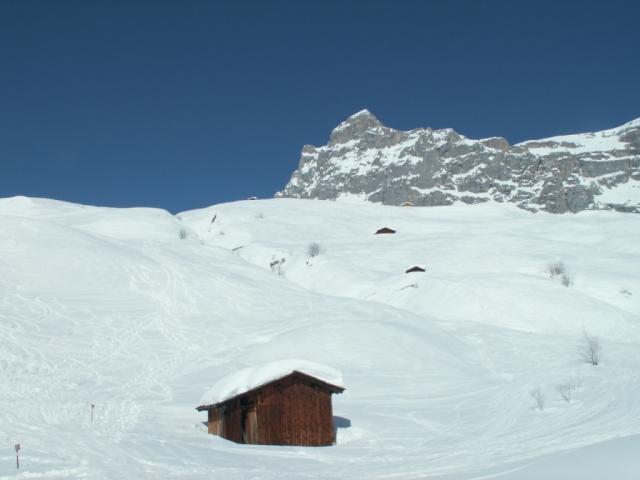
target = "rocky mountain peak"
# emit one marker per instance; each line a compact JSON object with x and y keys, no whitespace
{"x":426,"y":167}
{"x":355,"y":127}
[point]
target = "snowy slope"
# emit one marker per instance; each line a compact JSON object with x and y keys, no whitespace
{"x":607,"y":143}
{"x":140,"y":312}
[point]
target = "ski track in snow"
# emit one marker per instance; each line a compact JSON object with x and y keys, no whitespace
{"x":142,"y":324}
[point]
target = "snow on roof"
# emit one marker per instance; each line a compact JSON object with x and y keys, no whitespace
{"x":253,"y":377}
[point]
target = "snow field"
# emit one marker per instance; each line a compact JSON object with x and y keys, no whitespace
{"x":112,"y":307}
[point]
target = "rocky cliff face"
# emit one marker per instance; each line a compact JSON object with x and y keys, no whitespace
{"x":426,"y":167}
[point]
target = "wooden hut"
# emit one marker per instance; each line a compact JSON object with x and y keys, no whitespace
{"x":416,"y":268}
{"x":407,"y":204}
{"x":385,"y":230}
{"x":283,"y":403}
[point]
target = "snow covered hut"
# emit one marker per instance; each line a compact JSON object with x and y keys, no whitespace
{"x":416,"y":268}
{"x":287,"y":402}
{"x":407,"y":204}
{"x":385,"y":230}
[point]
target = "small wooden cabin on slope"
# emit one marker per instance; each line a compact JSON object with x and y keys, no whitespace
{"x":287,"y":402}
{"x":385,"y":230}
{"x":416,"y":268}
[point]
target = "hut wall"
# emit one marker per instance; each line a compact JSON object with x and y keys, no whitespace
{"x":295,"y":413}
{"x":213,"y":421}
{"x":251,"y":425}
{"x":232,"y":418}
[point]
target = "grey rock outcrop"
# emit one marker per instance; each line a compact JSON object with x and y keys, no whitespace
{"x":366,"y":159}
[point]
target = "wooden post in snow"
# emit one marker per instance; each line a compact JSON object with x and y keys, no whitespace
{"x":17,"y":446}
{"x":93,"y":405}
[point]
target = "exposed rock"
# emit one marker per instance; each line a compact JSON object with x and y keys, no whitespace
{"x":570,"y":173}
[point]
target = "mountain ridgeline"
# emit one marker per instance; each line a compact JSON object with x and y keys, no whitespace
{"x":365,"y":159}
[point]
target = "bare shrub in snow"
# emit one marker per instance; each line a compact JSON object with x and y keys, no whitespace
{"x":313,"y":249}
{"x":577,"y":382}
{"x":568,"y":388}
{"x":556,"y":268}
{"x":259,"y":215}
{"x":183,"y":234}
{"x":591,"y":349}
{"x":276,"y":266}
{"x":566,"y":391}
{"x":559,"y":269}
{"x":625,"y":291}
{"x":566,"y":279}
{"x":538,"y":396}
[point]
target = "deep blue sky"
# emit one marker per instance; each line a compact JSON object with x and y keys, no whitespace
{"x":184,"y":104}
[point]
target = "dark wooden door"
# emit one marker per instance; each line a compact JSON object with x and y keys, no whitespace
{"x":250,"y":424}
{"x":271,"y":425}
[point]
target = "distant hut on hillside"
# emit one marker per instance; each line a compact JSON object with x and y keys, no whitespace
{"x":287,"y":402}
{"x":416,"y":268}
{"x":385,"y":230}
{"x":407,"y":204}
{"x":252,"y":198}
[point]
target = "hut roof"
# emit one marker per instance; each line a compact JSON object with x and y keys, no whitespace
{"x":416,"y":268}
{"x":248,"y":379}
{"x":385,"y":230}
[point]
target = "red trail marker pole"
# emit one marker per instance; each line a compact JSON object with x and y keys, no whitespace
{"x":17,"y":446}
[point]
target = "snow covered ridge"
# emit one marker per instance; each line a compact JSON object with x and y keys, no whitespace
{"x":367,"y":160}
{"x":249,"y":378}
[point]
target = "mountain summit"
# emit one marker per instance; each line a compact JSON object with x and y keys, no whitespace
{"x":355,"y":127}
{"x":368,"y":160}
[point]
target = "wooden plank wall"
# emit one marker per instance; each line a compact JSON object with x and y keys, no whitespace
{"x":232,"y":429}
{"x":251,"y":425}
{"x":213,"y":423}
{"x":295,"y":413}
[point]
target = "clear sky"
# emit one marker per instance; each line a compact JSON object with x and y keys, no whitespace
{"x":183,"y":104}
